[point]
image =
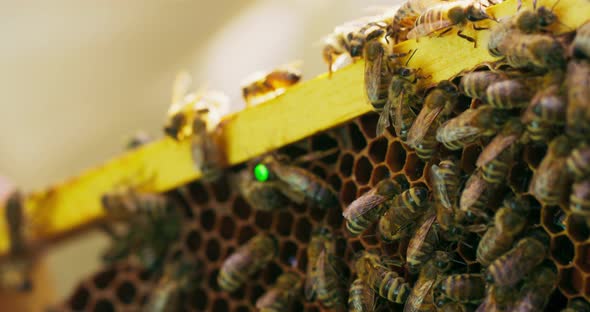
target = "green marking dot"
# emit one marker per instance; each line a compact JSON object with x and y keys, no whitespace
{"x":261,"y":173}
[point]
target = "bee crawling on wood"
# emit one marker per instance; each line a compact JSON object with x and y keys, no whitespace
{"x":263,"y":86}
{"x":445,"y":15}
{"x":196,"y":116}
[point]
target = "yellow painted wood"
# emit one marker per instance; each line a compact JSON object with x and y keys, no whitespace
{"x":303,"y":110}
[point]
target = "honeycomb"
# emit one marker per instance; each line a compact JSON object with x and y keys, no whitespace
{"x":218,"y":220}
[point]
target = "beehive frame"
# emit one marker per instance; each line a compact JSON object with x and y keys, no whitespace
{"x":358,"y":167}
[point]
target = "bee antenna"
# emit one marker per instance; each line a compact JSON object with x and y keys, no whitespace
{"x":411,"y":56}
{"x":464,"y":243}
{"x":458,"y":261}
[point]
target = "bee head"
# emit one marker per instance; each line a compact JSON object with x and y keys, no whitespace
{"x":489,"y":278}
{"x":546,"y":17}
{"x":474,"y":14}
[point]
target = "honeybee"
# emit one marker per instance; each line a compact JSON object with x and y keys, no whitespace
{"x":196,"y":116}
{"x":388,"y":284}
{"x":537,"y":51}
{"x":445,"y":15}
{"x":336,"y":50}
{"x":537,"y":289}
{"x":422,"y":244}
{"x":581,"y":44}
{"x":321,"y":239}
{"x":265,"y":196}
{"x":547,"y":109}
{"x":377,"y":74}
{"x":578,"y":92}
{"x":475,"y":84}
{"x":187,"y":107}
{"x":508,"y":94}
{"x":263,"y":86}
{"x":176,"y":282}
{"x":466,"y":128}
{"x":509,"y":221}
{"x":281,"y":295}
{"x":245,"y":261}
{"x":403,"y":210}
{"x":536,"y":20}
{"x":402,"y":95}
{"x":463,"y":288}
{"x":445,"y":185}
{"x":370,"y":206}
{"x":329,"y":288}
{"x":15,"y":270}
{"x":577,"y":305}
{"x":497,"y":299}
{"x":580,"y":199}
{"x":421,"y":296}
{"x":299,"y":184}
{"x":578,"y":162}
{"x":406,"y":16}
{"x":511,"y":267}
{"x":550,"y":180}
{"x":474,"y":197}
{"x":438,"y":104}
{"x":122,"y":205}
{"x":497,"y":157}
{"x":153,"y":222}
{"x":361,"y":297}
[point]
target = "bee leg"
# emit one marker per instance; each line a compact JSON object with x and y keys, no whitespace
{"x":477,"y":28}
{"x":470,"y":39}
{"x":445,"y":31}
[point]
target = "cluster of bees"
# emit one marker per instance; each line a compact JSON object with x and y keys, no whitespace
{"x":537,"y":93}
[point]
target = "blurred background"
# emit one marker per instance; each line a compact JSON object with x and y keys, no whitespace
{"x":78,"y":77}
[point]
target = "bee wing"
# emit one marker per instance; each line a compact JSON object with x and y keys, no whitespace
{"x":383,"y":123}
{"x":428,"y":28}
{"x":363,"y":204}
{"x":397,"y":119}
{"x":417,"y":296}
{"x":456,"y":133}
{"x":422,"y":124}
{"x":309,"y":286}
{"x":440,"y":187}
{"x":417,"y":240}
{"x":373,"y":76}
{"x":474,"y":187}
{"x":494,"y":148}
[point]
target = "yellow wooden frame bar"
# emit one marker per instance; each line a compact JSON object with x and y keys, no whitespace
{"x":303,"y":110}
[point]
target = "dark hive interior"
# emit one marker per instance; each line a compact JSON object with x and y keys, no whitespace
{"x":218,"y":220}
